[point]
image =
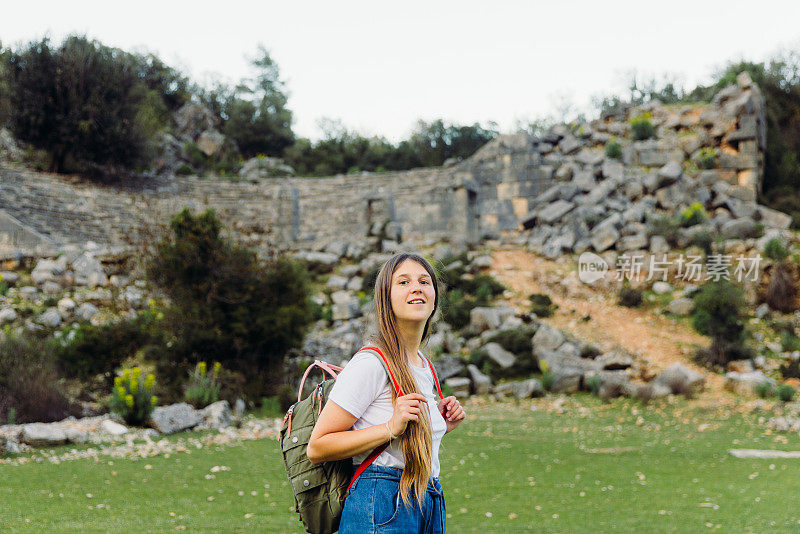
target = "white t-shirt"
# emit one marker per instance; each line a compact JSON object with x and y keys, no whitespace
{"x":362,"y":389}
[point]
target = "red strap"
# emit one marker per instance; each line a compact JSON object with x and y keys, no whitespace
{"x":377,"y":452}
{"x":394,"y":380}
{"x":435,"y":379}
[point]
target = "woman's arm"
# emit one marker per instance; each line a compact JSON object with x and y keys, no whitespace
{"x":332,"y":438}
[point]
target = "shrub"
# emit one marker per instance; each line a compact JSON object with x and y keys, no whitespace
{"x":707,"y":158}
{"x":456,"y":307}
{"x":542,"y":305}
{"x":782,"y":289}
{"x":594,"y":382}
{"x":29,"y":382}
{"x":203,"y":387}
{"x":90,"y":350}
{"x":763,"y":389}
{"x":664,"y":226}
{"x":694,"y":214}
{"x":518,"y":342}
{"x":719,"y":313}
{"x":629,"y":297}
{"x":548,"y":378}
{"x":82,"y":102}
{"x":775,"y":250}
{"x":785,"y":392}
{"x":613,"y":149}
{"x":642,"y":128}
{"x":226,"y":305}
{"x":184,"y":170}
{"x":132,"y":398}
{"x":702,"y":239}
{"x":789,"y":341}
{"x":790,"y":369}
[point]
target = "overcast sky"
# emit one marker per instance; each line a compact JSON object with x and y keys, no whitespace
{"x":381,"y":66}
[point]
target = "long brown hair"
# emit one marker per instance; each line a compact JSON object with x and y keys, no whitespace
{"x":416,"y":441}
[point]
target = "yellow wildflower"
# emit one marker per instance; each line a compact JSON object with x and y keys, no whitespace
{"x":201,"y":368}
{"x":217,"y":367}
{"x":129,"y":400}
{"x":154,"y":400}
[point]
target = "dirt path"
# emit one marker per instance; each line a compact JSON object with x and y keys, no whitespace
{"x":593,"y":315}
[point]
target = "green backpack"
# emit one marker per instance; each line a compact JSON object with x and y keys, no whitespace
{"x":319,"y":490}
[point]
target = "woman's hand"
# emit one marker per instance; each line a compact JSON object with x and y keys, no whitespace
{"x":406,"y":409}
{"x":452,"y":412}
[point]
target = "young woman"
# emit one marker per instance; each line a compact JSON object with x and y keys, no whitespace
{"x":400,"y":492}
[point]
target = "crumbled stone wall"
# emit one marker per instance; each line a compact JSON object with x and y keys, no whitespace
{"x":491,"y":192}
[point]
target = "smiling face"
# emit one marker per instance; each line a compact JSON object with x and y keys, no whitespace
{"x":412,"y":292}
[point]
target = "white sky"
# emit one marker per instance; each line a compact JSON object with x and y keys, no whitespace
{"x":379,"y":66}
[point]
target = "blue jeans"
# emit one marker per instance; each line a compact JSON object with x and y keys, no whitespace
{"x":375,"y":506}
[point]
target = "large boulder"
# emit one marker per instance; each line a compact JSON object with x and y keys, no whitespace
{"x":112,"y":427}
{"x":547,"y":338}
{"x":43,"y":435}
{"x":745,"y":383}
{"x":679,"y":379}
{"x":89,"y":271}
{"x":217,"y":415}
{"x":447,"y":366}
{"x":615,"y":360}
{"x":521,"y":389}
{"x":459,"y":385}
{"x":481,"y":384}
{"x":174,"y":418}
{"x":499,"y":355}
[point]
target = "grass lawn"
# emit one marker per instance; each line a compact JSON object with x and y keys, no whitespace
{"x":562,"y":464}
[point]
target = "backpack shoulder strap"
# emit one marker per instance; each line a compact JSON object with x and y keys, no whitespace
{"x":378,"y":450}
{"x":385,"y":364}
{"x":435,"y":378}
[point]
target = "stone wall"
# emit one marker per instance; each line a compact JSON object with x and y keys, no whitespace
{"x":489,"y":193}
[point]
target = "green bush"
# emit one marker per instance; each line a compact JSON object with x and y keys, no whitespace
{"x":707,"y":158}
{"x":694,"y":214}
{"x":548,"y":378}
{"x":465,"y":293}
{"x":642,"y":128}
{"x":763,"y":389}
{"x":785,"y":392}
{"x":790,"y":369}
{"x":702,"y":239}
{"x":84,"y":103}
{"x":613,"y":149}
{"x":518,"y":342}
{"x":594,"y":382}
{"x":629,"y":297}
{"x":226,"y":305}
{"x":789,"y":341}
{"x":132,"y":398}
{"x":185,"y":170}
{"x":29,"y":381}
{"x":719,"y":313}
{"x":203,"y":387}
{"x":542,"y":305}
{"x":664,"y":226}
{"x":775,"y":250}
{"x":782,"y":290}
{"x":89,"y":350}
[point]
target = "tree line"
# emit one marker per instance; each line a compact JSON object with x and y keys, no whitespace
{"x":91,"y":107}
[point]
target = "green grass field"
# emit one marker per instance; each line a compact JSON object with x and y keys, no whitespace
{"x":510,"y":467}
